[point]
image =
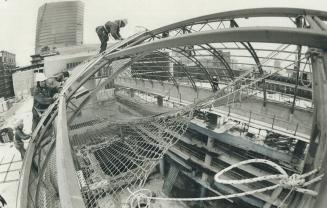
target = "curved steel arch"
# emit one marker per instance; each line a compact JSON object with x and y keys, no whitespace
{"x":229,"y":15}
{"x":305,"y":37}
{"x":271,"y":34}
{"x":220,"y":57}
{"x":184,"y":70}
{"x":246,"y":13}
{"x":316,"y":39}
{"x":214,"y":52}
{"x":198,"y":63}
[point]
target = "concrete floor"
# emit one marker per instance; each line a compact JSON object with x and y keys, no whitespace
{"x":10,"y":160}
{"x":9,"y":173}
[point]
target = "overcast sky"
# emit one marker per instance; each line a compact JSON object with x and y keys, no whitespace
{"x":18,"y":17}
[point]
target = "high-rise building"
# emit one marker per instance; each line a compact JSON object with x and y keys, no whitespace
{"x":59,"y":24}
{"x":7,"y":67}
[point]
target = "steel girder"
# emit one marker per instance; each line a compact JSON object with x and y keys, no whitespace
{"x":229,"y":15}
{"x":109,"y":79}
{"x":196,"y":62}
{"x":299,"y":24}
{"x":271,"y":34}
{"x":245,"y":13}
{"x":184,"y":70}
{"x":253,"y":53}
{"x":214,"y":52}
{"x":296,"y":36}
{"x":221,"y":58}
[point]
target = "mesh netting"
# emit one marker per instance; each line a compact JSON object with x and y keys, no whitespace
{"x":49,"y":196}
{"x":115,"y":157}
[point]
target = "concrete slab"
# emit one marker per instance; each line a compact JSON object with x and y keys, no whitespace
{"x":10,"y":169}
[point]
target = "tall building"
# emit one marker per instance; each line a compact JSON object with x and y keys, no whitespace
{"x":59,"y":24}
{"x":7,"y":67}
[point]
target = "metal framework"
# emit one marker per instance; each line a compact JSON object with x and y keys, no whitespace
{"x":204,"y":32}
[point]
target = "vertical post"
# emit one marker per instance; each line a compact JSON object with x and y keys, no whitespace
{"x":207,"y":162}
{"x":132,"y":91}
{"x":317,"y":156}
{"x":208,"y":158}
{"x":160,"y":100}
{"x":162,"y":167}
{"x":299,"y":23}
{"x":273,"y":122}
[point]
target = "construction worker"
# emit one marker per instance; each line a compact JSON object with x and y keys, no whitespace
{"x":215,"y":83}
{"x":112,"y":28}
{"x":44,"y":96}
{"x":19,"y":137}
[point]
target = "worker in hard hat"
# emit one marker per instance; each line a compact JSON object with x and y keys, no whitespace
{"x":112,"y":28}
{"x":44,"y":95}
{"x":19,"y":137}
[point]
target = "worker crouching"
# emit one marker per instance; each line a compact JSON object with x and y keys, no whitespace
{"x":112,"y":28}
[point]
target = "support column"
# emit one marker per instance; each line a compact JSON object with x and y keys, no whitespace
{"x":208,"y":159}
{"x":203,"y":192}
{"x":162,"y":167}
{"x":317,"y":151}
{"x":212,"y":120}
{"x":132,"y":92}
{"x":207,"y":162}
{"x":299,"y":24}
{"x":160,"y":100}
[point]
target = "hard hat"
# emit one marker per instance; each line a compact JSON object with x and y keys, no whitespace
{"x":19,"y":123}
{"x":122,"y":22}
{"x":125,"y":21}
{"x":39,"y":77}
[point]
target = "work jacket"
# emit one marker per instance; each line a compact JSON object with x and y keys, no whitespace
{"x":114,"y":28}
{"x":20,"y":136}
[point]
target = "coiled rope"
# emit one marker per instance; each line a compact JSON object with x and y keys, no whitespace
{"x":295,"y":182}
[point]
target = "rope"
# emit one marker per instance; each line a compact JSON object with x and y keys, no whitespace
{"x":295,"y":182}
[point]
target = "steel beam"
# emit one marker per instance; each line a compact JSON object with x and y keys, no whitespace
{"x":299,"y":24}
{"x":245,"y":13}
{"x":101,"y":85}
{"x":295,"y":36}
{"x":69,"y":190}
{"x":220,"y":57}
{"x":214,"y":52}
{"x":184,"y":70}
{"x":196,"y":62}
{"x":24,"y":180}
{"x":254,"y":55}
{"x":244,"y":144}
{"x":319,"y":68}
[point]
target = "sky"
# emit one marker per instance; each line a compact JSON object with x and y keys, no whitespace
{"x":18,"y":17}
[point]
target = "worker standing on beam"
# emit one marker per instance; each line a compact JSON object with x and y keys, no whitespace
{"x":112,"y":28}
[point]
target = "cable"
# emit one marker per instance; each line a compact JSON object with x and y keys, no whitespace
{"x":294,"y":182}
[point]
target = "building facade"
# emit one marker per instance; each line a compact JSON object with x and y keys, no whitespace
{"x":59,"y":24}
{"x":7,"y":67}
